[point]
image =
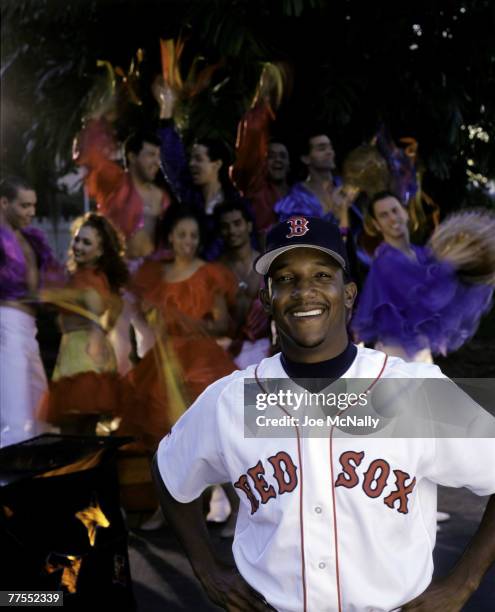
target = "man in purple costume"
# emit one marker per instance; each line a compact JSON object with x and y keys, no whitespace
{"x":321,"y":194}
{"x":24,"y":258}
{"x":412,"y":304}
{"x":202,"y":182}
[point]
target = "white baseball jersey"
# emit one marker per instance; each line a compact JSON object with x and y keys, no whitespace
{"x":326,"y":523}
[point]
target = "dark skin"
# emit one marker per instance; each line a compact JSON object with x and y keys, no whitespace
{"x":305,"y":281}
{"x":239,"y":256}
{"x":450,"y":593}
{"x":308,"y":281}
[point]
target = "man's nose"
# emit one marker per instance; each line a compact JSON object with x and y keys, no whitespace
{"x":303,"y":286}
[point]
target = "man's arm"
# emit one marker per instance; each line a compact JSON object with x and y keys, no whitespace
{"x":249,"y":170}
{"x":172,"y":152}
{"x":223,"y":585}
{"x":93,"y":149}
{"x":450,"y":593}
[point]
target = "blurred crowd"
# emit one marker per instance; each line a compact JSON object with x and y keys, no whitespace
{"x":158,"y":298}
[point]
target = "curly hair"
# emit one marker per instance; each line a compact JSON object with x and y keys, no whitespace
{"x":179,"y":212}
{"x":111,"y":262}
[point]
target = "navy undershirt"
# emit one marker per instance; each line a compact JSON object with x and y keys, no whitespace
{"x":324,"y":372}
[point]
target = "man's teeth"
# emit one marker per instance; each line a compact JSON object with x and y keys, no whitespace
{"x":308,"y":313}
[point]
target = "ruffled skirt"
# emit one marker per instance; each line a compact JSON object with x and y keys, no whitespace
{"x":85,"y":379}
{"x":154,"y":401}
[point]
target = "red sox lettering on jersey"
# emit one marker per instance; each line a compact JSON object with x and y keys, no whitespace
{"x":374,"y":480}
{"x":286,"y":478}
{"x":298,"y":226}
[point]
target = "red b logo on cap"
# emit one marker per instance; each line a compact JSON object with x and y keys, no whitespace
{"x":298,"y":226}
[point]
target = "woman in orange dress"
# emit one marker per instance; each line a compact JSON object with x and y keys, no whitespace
{"x":85,"y":383}
{"x":186,"y":299}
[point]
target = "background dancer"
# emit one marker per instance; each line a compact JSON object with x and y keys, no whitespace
{"x":417,"y":302}
{"x":188,"y":300}
{"x":250,"y":342}
{"x":262,"y":161}
{"x":85,"y":384}
{"x":25,"y":259}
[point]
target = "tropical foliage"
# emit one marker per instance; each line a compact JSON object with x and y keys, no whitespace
{"x":425,"y":69}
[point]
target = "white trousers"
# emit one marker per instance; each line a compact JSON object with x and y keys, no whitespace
{"x":22,"y":377}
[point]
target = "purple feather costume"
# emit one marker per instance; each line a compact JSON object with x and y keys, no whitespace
{"x":417,"y":304}
{"x":13,"y":263}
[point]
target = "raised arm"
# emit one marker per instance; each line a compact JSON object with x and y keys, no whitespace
{"x":249,"y":169}
{"x":172,"y":152}
{"x":93,"y":150}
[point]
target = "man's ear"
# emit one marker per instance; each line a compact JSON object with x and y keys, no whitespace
{"x":265,"y":300}
{"x":350,"y":293}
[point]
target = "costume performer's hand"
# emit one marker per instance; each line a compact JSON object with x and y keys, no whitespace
{"x":165,"y":96}
{"x":445,"y":595}
{"x":343,"y":197}
{"x":228,"y":589}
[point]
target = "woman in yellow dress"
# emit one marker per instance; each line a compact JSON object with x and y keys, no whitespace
{"x":85,"y":384}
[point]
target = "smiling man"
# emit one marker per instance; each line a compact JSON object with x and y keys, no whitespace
{"x":131,"y":199}
{"x":321,"y":194}
{"x":24,"y":257}
{"x":334,"y":522}
{"x":412,"y":304}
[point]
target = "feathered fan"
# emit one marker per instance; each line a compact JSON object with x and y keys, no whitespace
{"x":466,"y":240}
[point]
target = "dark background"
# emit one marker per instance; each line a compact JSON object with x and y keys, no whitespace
{"x":354,"y":66}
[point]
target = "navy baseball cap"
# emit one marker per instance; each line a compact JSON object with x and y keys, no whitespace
{"x":299,"y":231}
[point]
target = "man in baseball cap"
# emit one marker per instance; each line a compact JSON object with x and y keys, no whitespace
{"x":328,"y":522}
{"x":298,"y":232}
{"x":308,"y":293}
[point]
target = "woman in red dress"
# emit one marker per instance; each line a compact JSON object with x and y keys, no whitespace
{"x":186,"y":300}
